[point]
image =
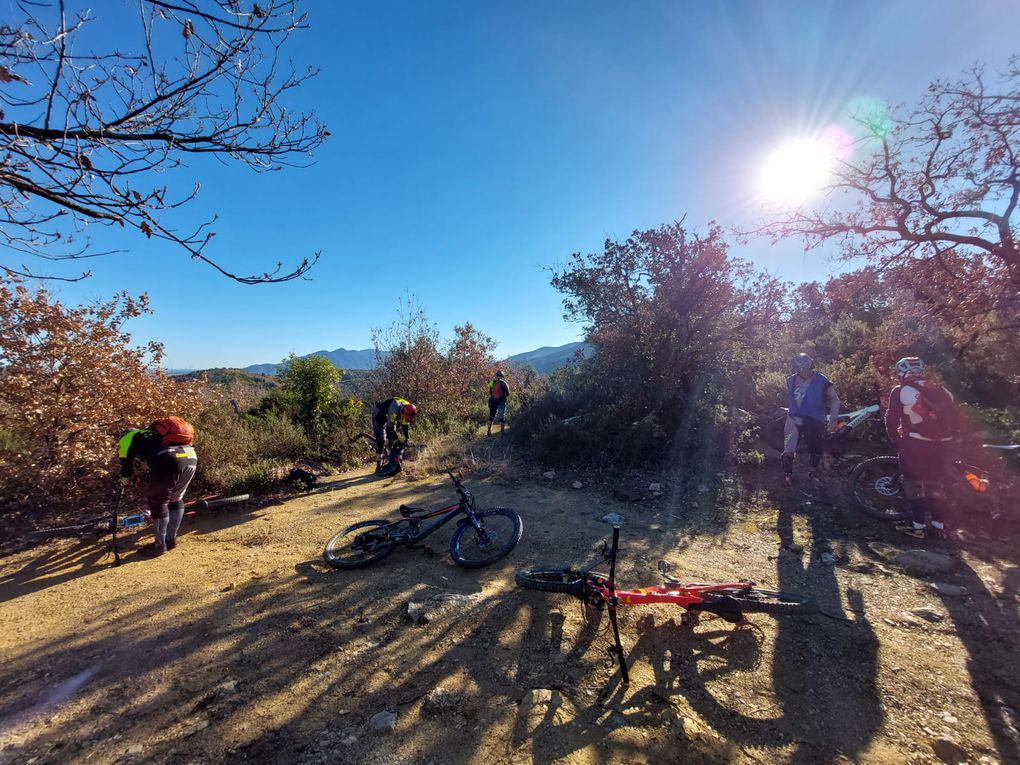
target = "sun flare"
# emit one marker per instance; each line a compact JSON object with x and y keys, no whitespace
{"x":796,"y":170}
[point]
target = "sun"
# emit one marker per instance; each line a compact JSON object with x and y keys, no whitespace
{"x":796,"y":170}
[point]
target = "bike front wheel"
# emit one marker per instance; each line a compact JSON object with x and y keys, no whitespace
{"x":563,"y":580}
{"x":877,"y":487}
{"x":501,"y":530}
{"x":359,"y":545}
{"x":753,"y":600}
{"x":213,"y":502}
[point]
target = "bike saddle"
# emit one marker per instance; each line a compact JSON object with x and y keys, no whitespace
{"x":407,"y":512}
{"x":1004,"y":447}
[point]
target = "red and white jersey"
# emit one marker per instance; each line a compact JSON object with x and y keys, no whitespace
{"x":911,"y":412}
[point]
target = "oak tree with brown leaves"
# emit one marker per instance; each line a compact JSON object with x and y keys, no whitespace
{"x":70,"y":381}
{"x":89,"y":128}
{"x":932,"y":203}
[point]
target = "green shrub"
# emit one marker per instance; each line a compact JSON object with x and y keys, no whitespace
{"x":11,"y":440}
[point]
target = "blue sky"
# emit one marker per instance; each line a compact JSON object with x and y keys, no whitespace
{"x":476,"y":146}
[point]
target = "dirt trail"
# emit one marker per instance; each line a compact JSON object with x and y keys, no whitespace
{"x":240,"y":646}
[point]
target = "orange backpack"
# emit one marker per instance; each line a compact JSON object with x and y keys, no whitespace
{"x":175,"y":431}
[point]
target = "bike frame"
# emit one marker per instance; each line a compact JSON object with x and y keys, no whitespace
{"x":601,"y":590}
{"x":682,"y":595}
{"x":107,"y":525}
{"x":448,"y":513}
{"x":444,"y":514}
{"x":858,"y":416}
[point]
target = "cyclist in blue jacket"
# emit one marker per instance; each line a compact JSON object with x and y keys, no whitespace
{"x":808,"y":394}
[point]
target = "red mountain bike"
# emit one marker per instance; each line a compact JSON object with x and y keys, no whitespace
{"x":598,"y":592}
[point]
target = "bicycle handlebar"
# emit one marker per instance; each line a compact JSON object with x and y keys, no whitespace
{"x":464,"y":493}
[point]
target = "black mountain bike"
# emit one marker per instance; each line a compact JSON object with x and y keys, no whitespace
{"x":482,"y":536}
{"x":876,"y":485}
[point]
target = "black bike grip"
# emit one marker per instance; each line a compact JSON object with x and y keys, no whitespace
{"x":612,"y":560}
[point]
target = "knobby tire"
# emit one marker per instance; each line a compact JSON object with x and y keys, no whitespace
{"x":866,"y":496}
{"x":753,"y":600}
{"x":209,"y":504}
{"x":564,"y":580}
{"x":344,"y":544}
{"x":469,"y":551}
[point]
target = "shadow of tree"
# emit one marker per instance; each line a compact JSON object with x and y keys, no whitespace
{"x":291,"y":666}
{"x":988,"y":625}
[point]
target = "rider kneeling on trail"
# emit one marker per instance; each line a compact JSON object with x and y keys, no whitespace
{"x":808,"y":393}
{"x":165,"y":446}
{"x":387,"y":416}
{"x":922,"y":421}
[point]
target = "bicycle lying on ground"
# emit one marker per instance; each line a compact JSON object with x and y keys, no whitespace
{"x":113,"y":522}
{"x":876,"y":485}
{"x":598,"y":592}
{"x":482,"y":536}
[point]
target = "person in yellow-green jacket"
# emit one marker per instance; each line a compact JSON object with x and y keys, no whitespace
{"x":387,"y":416}
{"x":165,"y":446}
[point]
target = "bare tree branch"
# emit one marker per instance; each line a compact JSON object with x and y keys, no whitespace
{"x":85,"y":129}
{"x":933,"y":197}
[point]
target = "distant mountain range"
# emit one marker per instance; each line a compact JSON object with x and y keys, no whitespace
{"x":547,"y":359}
{"x":542,"y":360}
{"x":341,"y":358}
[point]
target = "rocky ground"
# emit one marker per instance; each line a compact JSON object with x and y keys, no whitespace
{"x":240,"y":646}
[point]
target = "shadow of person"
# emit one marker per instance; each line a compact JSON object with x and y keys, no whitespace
{"x":56,"y":563}
{"x":987,"y":627}
{"x":825,"y":718}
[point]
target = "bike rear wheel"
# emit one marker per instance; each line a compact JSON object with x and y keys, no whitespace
{"x":563,"y":580}
{"x":877,"y":488}
{"x":357,"y":547}
{"x":501,"y":531}
{"x":753,"y":600}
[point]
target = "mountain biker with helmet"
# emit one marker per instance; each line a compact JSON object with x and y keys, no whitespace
{"x":387,"y":416}
{"x":165,"y":446}
{"x":499,"y":392}
{"x":808,"y":394}
{"x":921,"y":421}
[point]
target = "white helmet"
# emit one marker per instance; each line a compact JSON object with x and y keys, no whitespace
{"x":909,"y":366}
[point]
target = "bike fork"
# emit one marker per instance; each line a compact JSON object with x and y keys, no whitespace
{"x":618,"y":648}
{"x":612,"y":607}
{"x":113,"y":541}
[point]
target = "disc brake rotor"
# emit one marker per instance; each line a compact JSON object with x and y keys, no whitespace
{"x":886,"y":487}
